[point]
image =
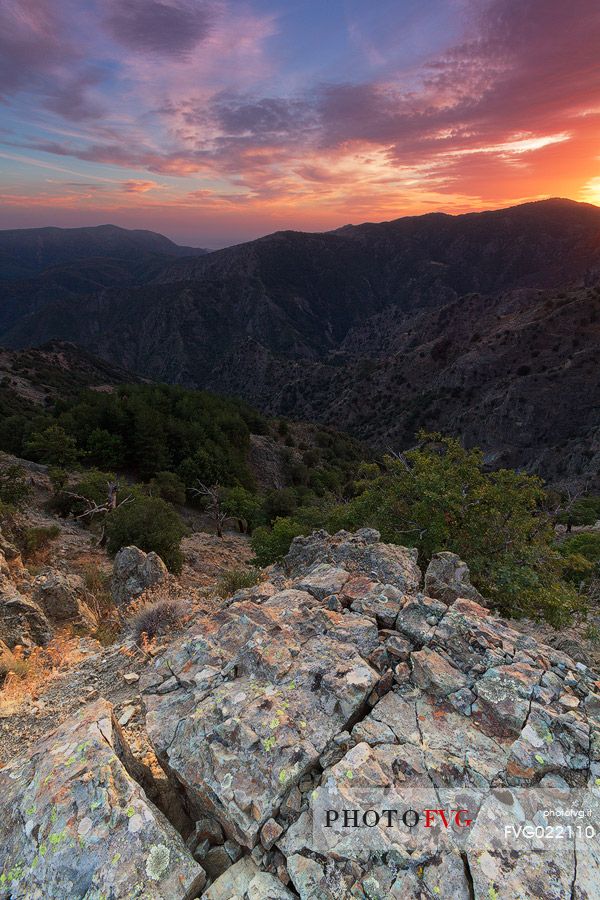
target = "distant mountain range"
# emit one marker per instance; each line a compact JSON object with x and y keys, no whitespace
{"x":483,"y":324}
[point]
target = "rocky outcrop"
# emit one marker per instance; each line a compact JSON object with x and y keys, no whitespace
{"x":240,"y":715}
{"x":75,"y":824}
{"x":64,"y":598}
{"x":333,"y":733}
{"x":343,"y":690}
{"x":134,"y":572}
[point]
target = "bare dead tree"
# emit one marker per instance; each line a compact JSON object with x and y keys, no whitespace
{"x":571,"y":495}
{"x":214,"y":504}
{"x":111,"y":503}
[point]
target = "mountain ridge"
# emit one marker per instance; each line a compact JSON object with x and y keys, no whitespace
{"x":294,"y":322}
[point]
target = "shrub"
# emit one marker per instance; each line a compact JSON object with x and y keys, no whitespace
{"x":438,"y":497}
{"x":150,"y":524}
{"x":93,"y":487}
{"x":169,"y":486}
{"x":38,"y":538}
{"x":156,"y":619}
{"x":587,"y":544}
{"x":270,"y":544}
{"x":15,"y":488}
{"x":279,"y":503}
{"x":235,"y":579}
{"x":581,"y":554}
{"x":585,"y":511}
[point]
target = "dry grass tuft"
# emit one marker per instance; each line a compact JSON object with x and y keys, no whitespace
{"x":156,"y":619}
{"x":28,"y":672}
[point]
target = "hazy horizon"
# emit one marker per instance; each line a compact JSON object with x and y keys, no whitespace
{"x":190,"y":243}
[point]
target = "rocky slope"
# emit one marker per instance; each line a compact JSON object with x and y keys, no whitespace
{"x":456,"y":322}
{"x":58,"y":370}
{"x":514,"y":374}
{"x":334,"y":688}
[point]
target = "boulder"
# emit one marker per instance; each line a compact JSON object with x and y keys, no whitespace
{"x":64,"y":598}
{"x":22,"y":621}
{"x":75,"y":823}
{"x":134,"y":572}
{"x":283,"y":710}
{"x":447,"y":578}
{"x":361,"y":552}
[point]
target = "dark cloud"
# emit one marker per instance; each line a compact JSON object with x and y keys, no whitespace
{"x":268,"y":116}
{"x":140,"y":157}
{"x":166,"y":27}
{"x":70,"y":99}
{"x":32,"y":44}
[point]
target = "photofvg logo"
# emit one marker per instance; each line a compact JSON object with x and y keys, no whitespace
{"x":354,"y":822}
{"x":357,"y":822}
{"x":390,"y":818}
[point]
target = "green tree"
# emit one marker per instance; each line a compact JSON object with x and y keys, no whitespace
{"x":105,"y":449}
{"x":438,"y":497}
{"x":244,"y":506}
{"x":584,"y":511}
{"x":53,"y":446}
{"x":150,"y":524}
{"x":279,"y":503}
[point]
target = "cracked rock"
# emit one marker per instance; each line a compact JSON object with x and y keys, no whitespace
{"x":76,"y":824}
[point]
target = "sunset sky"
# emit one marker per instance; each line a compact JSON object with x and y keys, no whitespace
{"x":215,"y":121}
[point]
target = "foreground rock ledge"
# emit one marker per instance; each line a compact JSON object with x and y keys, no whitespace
{"x":338,"y":685}
{"x":75,"y":824}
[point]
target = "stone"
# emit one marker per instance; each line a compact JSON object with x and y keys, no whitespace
{"x":309,"y":879}
{"x":22,"y":620}
{"x":462,"y":701}
{"x":207,"y":829}
{"x":447,"y":578}
{"x":433,"y":673}
{"x":234,"y":882}
{"x":322,"y":581}
{"x":75,"y":823}
{"x":382,"y":603}
{"x":131,"y":677}
{"x":135,"y":572}
{"x":127,"y":714}
{"x":8,"y":661}
{"x":414,"y":617}
{"x":502,"y":703}
{"x":265,"y":886}
{"x":64,"y":598}
{"x":271,"y":712}
{"x":379,"y":658}
{"x":398,"y":648}
{"x":216,"y":861}
{"x":269,"y":833}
